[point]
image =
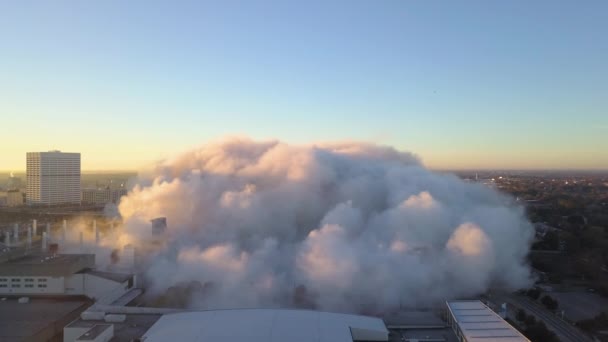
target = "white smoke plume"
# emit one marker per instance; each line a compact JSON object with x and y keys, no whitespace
{"x":343,"y":226}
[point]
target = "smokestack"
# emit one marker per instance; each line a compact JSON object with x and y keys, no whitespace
{"x":35,"y":227}
{"x":64,"y":229}
{"x":44,"y":240}
{"x":159,"y":225}
{"x":96,"y":232}
{"x":48,"y":230}
{"x":29,"y":237}
{"x":81,"y":243}
{"x":7,"y":238}
{"x":16,"y":232}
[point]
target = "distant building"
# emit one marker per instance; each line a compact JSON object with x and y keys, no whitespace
{"x":102,"y":195}
{"x":14,"y":183}
{"x":14,"y":198}
{"x":159,"y":225}
{"x":53,"y":178}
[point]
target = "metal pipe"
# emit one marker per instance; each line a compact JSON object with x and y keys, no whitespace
{"x":44,"y":241}
{"x":96,"y":232}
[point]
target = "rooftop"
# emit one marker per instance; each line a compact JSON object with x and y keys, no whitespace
{"x":94,"y":332}
{"x":47,"y":265}
{"x":117,"y":277}
{"x":40,"y":319}
{"x":268,"y":325}
{"x":132,"y":328}
{"x":481,"y":324}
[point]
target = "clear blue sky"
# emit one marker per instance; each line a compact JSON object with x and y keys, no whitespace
{"x":465,"y":84}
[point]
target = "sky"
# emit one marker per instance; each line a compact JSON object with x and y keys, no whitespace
{"x":463,"y":84}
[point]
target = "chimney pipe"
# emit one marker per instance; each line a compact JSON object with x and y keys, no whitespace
{"x":35,"y":227}
{"x":64,"y":230}
{"x":7,"y":238}
{"x":81,"y":243}
{"x":44,"y":241}
{"x":96,"y":232}
{"x":48,"y":230}
{"x":16,"y":232}
{"x":29,"y":237}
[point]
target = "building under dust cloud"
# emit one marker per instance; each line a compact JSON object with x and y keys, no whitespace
{"x":347,"y":226}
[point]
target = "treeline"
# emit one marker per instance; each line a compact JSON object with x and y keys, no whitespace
{"x":533,"y":329}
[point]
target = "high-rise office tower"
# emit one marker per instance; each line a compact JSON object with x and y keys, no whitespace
{"x":53,"y":178}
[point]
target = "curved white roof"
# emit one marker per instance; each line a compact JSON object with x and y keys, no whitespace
{"x":266,"y":325}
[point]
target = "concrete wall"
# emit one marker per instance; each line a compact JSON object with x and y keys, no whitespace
{"x":70,"y":334}
{"x":103,"y":290}
{"x":104,"y":336}
{"x":74,"y":284}
{"x":98,"y":288}
{"x":360,"y":334}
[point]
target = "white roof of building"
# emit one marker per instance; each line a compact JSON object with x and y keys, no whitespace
{"x":479,"y":323}
{"x":266,"y":325}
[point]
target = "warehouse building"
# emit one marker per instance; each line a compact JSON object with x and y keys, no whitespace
{"x":267,"y":325}
{"x":63,"y":274}
{"x":473,"y":321}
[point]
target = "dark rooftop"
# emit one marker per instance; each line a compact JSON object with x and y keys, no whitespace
{"x":38,"y":320}
{"x":92,"y":334}
{"x":47,"y":265}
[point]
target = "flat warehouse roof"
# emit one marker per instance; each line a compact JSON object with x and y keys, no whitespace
{"x":19,"y":322}
{"x":478,"y":322}
{"x":47,"y":265}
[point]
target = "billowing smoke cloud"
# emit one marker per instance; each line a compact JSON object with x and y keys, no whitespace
{"x":347,"y":226}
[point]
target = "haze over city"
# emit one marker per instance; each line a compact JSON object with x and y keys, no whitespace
{"x":508,"y":85}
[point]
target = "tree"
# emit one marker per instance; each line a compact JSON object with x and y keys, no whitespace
{"x":533,"y":293}
{"x":551,"y":240}
{"x":550,"y":303}
{"x":539,"y":332}
{"x":530,"y":320}
{"x":521,"y":315}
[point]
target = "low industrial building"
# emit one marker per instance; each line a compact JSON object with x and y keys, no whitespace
{"x":473,"y":321}
{"x":14,"y":198}
{"x":11,"y":198}
{"x":267,"y":325}
{"x":63,"y":274}
{"x":102,"y":195}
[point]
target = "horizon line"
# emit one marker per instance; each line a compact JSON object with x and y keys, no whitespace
{"x":438,"y":169}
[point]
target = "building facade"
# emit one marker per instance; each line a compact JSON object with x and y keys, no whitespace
{"x":63,"y":274}
{"x":103,"y":195}
{"x":14,"y":198}
{"x":14,"y":183}
{"x":53,"y":178}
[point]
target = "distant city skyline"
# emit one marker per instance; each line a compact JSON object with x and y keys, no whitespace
{"x":464,"y":85}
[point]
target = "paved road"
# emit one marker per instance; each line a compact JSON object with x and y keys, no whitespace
{"x":564,"y":330}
